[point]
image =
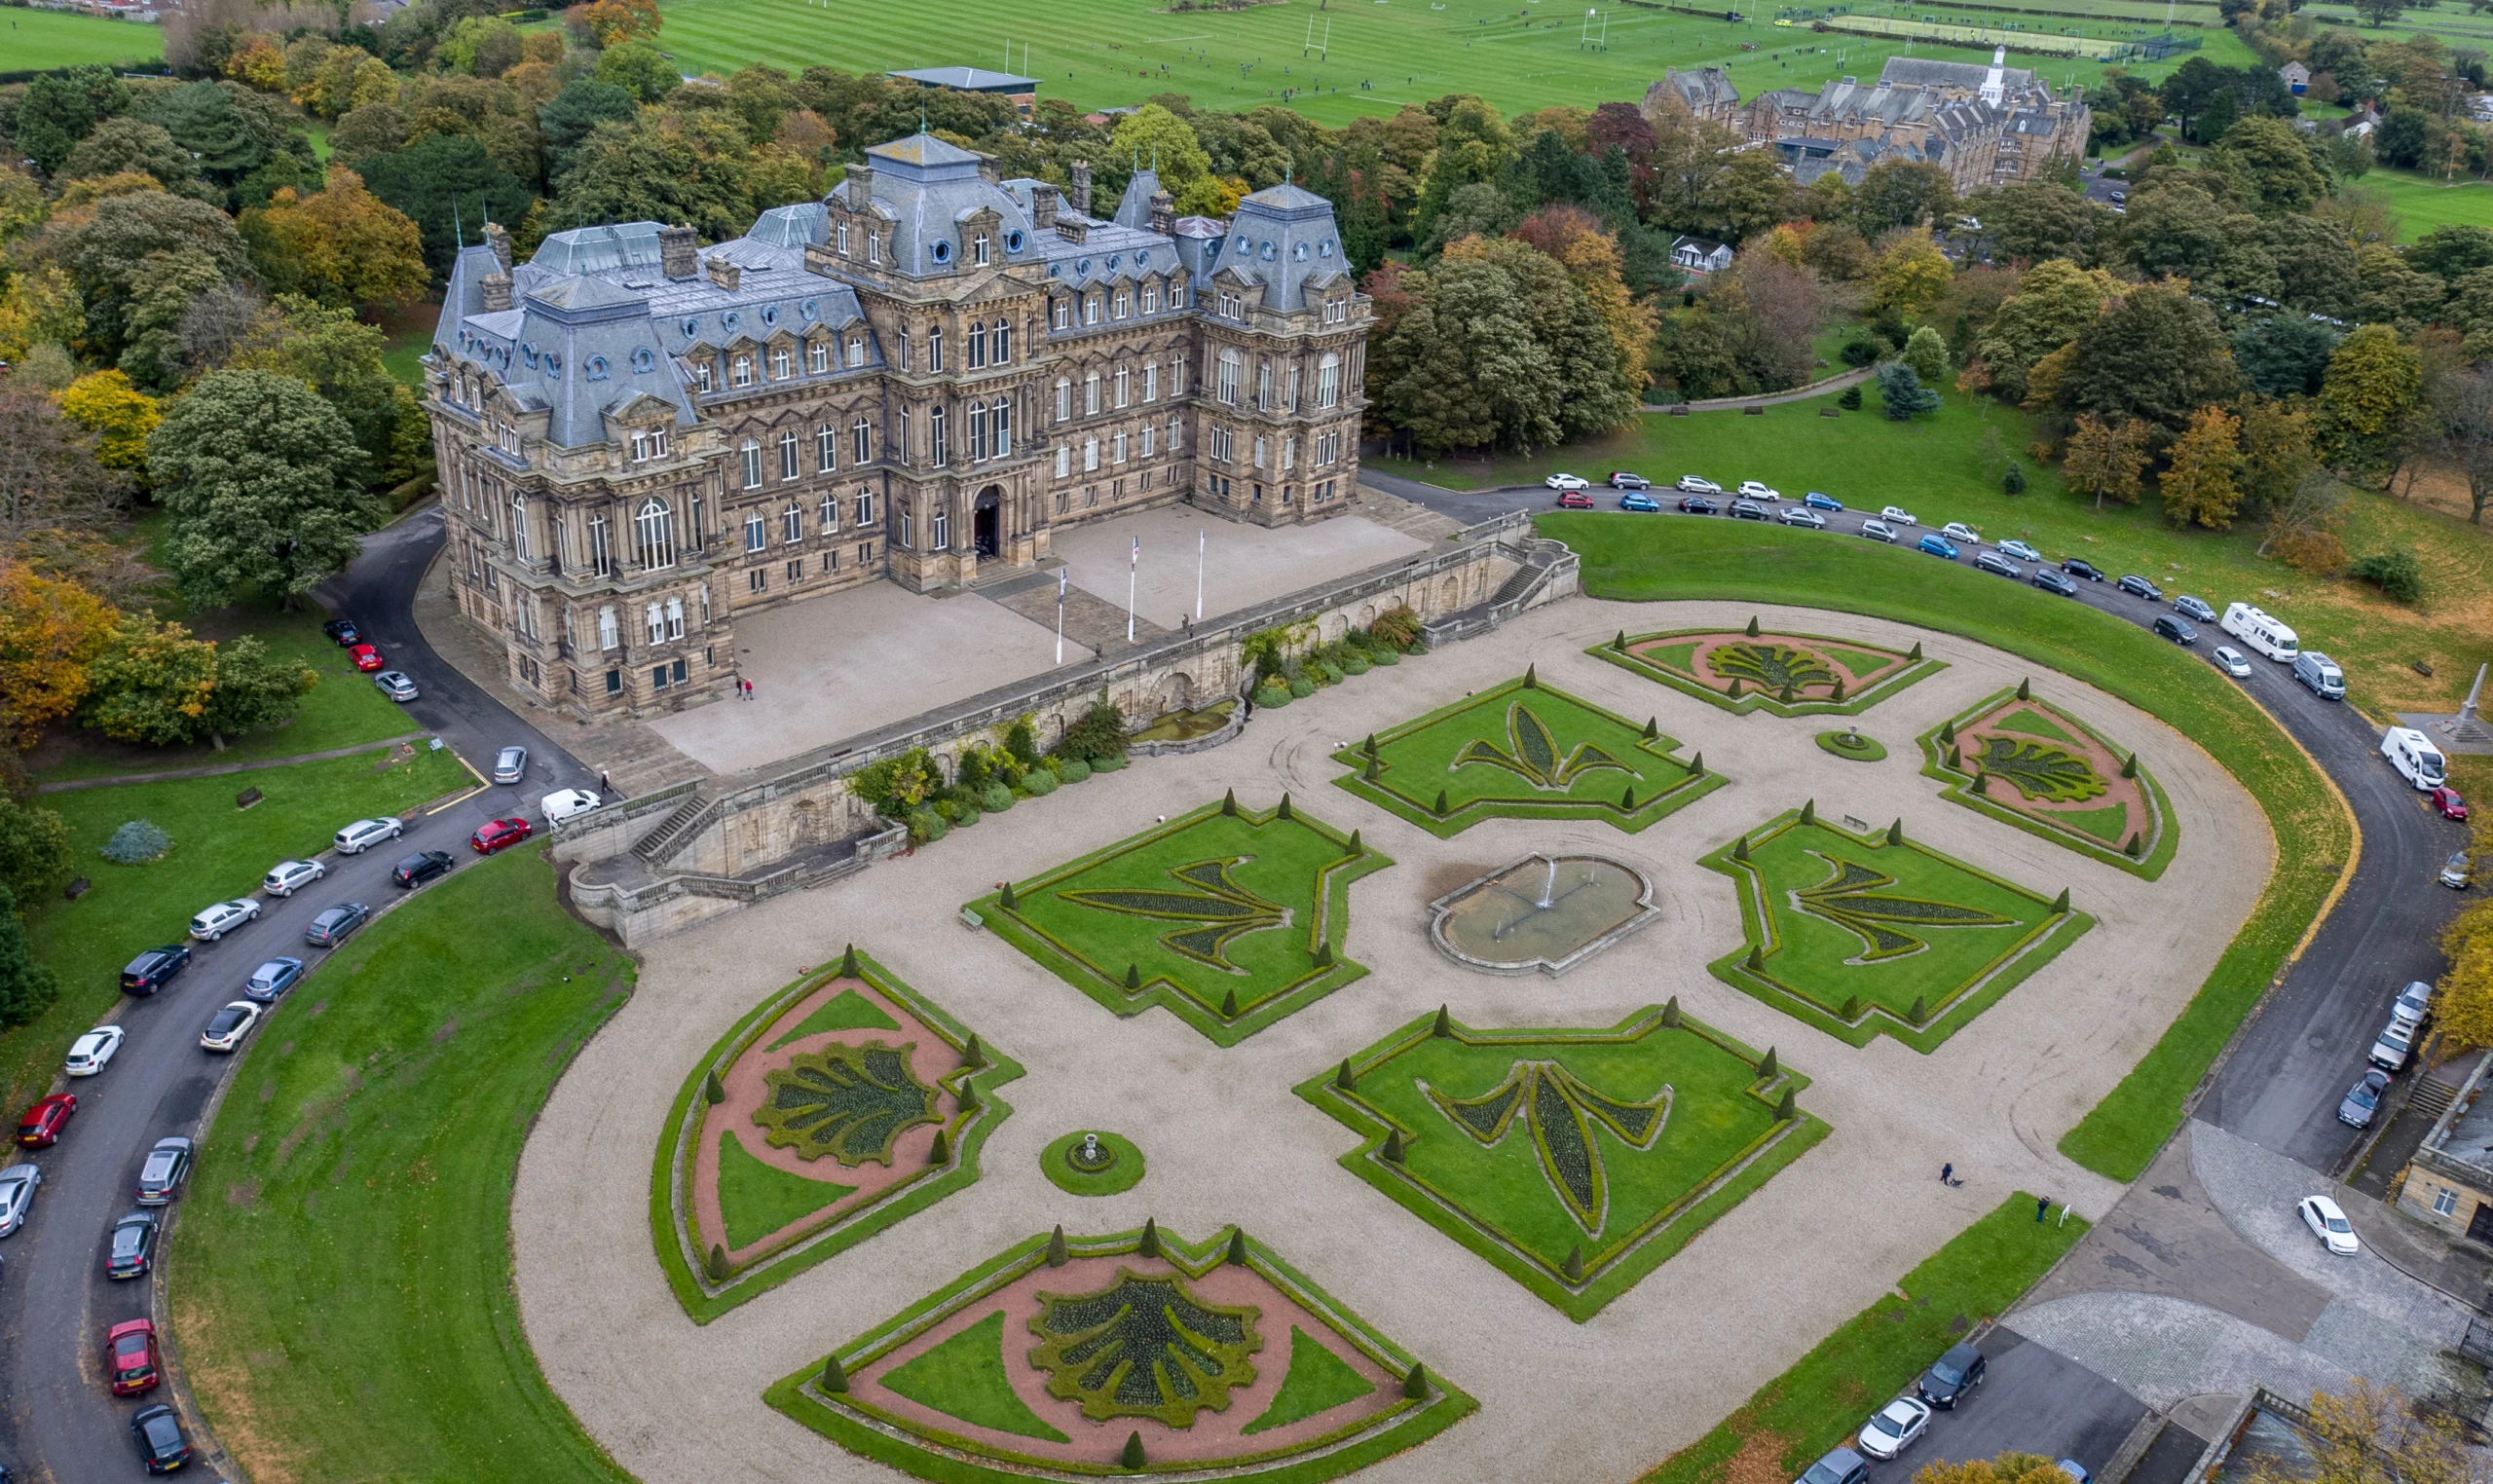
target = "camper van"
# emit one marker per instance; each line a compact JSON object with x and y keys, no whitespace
{"x":2321,"y":675}
{"x":2415,"y":758}
{"x":2261,"y":632}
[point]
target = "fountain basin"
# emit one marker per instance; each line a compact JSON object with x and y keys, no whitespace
{"x":1542,"y":912}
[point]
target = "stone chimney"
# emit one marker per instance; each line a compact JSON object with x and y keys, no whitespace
{"x":495,"y":287}
{"x":1082,"y":186}
{"x":724,"y":273}
{"x":499,"y":239}
{"x":678,"y":252}
{"x":1043,"y":205}
{"x":1164,"y":213}
{"x":861,"y":184}
{"x":988,"y":171}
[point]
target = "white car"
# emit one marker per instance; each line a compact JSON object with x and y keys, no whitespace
{"x":1896,"y":1428}
{"x":1877,"y":531}
{"x":217,"y":921}
{"x":227,"y":1026}
{"x":286,"y":878}
{"x":2020,"y":550}
{"x":2329,"y":1224}
{"x":364,"y":834}
{"x":1897,"y":515}
{"x":92,"y":1051}
{"x":1568,"y":482}
{"x":1690,"y":484}
{"x":1750,"y":489}
{"x":18,"y":1186}
{"x":2395,"y":1042}
{"x":1802,"y":515}
{"x":2229,"y":659}
{"x":2413,"y":1003}
{"x":1958,"y":531}
{"x":563,"y":804}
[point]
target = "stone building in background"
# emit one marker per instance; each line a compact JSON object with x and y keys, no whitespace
{"x":1983,"y":124}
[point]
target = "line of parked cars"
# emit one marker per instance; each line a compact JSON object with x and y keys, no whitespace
{"x":1949,"y":1383}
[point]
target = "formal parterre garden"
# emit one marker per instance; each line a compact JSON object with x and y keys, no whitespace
{"x":1785,"y":673}
{"x":1133,"y":1353}
{"x":1228,"y":917}
{"x":2031,"y":764}
{"x":1574,"y":1161}
{"x":841,"y":1105}
{"x":1861,"y":935}
{"x":1523,"y":751}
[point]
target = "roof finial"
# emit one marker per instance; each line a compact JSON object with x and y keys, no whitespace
{"x":458,"y":229}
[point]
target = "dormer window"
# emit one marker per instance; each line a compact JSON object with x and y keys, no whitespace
{"x":782,"y":364}
{"x":1337,"y":311}
{"x":1125,"y":304}
{"x":979,"y":250}
{"x":742,"y":373}
{"x":856,"y":349}
{"x":1177,"y":296}
{"x":1151,"y":298}
{"x":843,"y":237}
{"x":818,"y":356}
{"x":1061,"y":314}
{"x":874,"y":247}
{"x":701,"y":374}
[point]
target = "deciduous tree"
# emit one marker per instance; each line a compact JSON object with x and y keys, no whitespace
{"x":263,"y":480}
{"x":151,"y":683}
{"x":2104,"y":459}
{"x":339,"y":357}
{"x":2372,"y":387}
{"x":48,"y":473}
{"x":1911,"y":276}
{"x":34,"y":850}
{"x":341,"y":245}
{"x":27,"y":987}
{"x":50,"y":631}
{"x":252,"y":690}
{"x":2157,"y":356}
{"x":2275,"y":452}
{"x":2053,"y":302}
{"x":2202,"y":481}
{"x":1926,"y":354}
{"x":117,"y":413}
{"x":608,"y":22}
{"x":436,"y":181}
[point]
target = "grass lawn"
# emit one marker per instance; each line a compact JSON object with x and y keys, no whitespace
{"x":1818,"y":1402}
{"x":218,"y":852}
{"x":1741,"y":673}
{"x":334,"y":1212}
{"x":2424,"y":201}
{"x":1231,"y":920}
{"x":1517,"y":753}
{"x":1632,"y":557}
{"x":758,"y":1199}
{"x":1933,"y":468}
{"x":42,"y":39}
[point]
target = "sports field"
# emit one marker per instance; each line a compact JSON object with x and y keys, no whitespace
{"x":39,"y":39}
{"x":1368,"y":57}
{"x":2421,"y":202}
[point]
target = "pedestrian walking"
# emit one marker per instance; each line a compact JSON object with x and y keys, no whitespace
{"x":605,"y":781}
{"x":2042,"y":1208}
{"x":1948,"y":1174}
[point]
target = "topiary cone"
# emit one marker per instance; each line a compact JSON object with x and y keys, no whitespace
{"x":1133,"y":976}
{"x":1344,"y":1079}
{"x":1670,"y":1012}
{"x":1370,"y":745}
{"x":1324,"y":955}
{"x":1752,"y":629}
{"x":1735,"y":692}
{"x":1756,"y":961}
{"x":1916,"y":652}
{"x":1851,"y":1010}
{"x":1532,"y":677}
{"x":835,"y":1379}
{"x":1786,"y":696}
{"x":848,"y":963}
{"x":973,"y":1055}
{"x":2136,"y":844}
{"x":1392,"y":1146}
{"x":1229,"y":803}
{"x":1653,"y":728}
{"x":940,"y":1152}
{"x":1920,"y":1010}
{"x":1787,"y":1107}
{"x":1896,"y":832}
{"x":1621,"y":642}
{"x":1948,"y":731}
{"x":2060,"y":904}
{"x":1006,"y":899}
{"x":1237,"y":1254}
{"x":1982,"y":782}
{"x":2026,"y":688}
{"x":1415,"y":1386}
{"x":1766,"y":1067}
{"x":1058,"y":1255}
{"x":1356,"y":847}
{"x":1573,"y":1266}
{"x":1741,"y":848}
{"x":1444,"y":1025}
{"x":1132,"y":1457}
{"x":1697,"y":766}
{"x":1149,"y":1247}
{"x":967,"y":1100}
{"x":716,"y":1264}
{"x":1441,"y":802}
{"x":1809,"y":812}
{"x":1229,"y":1005}
{"x":1369,"y":772}
{"x":711,"y":1093}
{"x":2129,"y":767}
{"x":1955,"y":758}
{"x":1282,"y":812}
{"x":1627,"y":798}
{"x":1838,"y":687}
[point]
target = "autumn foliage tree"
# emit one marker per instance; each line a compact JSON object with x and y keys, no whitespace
{"x":50,"y":632}
{"x":117,"y":413}
{"x":2203,"y":475}
{"x":340,"y":246}
{"x":608,"y":22}
{"x":2466,"y":1008}
{"x":2105,"y":459}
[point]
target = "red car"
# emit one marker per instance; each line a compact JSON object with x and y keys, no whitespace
{"x":43,"y":1123}
{"x":2445,"y":798}
{"x":366,"y":657}
{"x":500,"y":835}
{"x":1574,"y":499}
{"x":130,"y":1357}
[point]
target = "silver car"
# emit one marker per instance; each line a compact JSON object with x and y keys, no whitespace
{"x":510,"y":766}
{"x":2362,"y":1100}
{"x":1879,"y":530}
{"x":2229,"y":659}
{"x":396,"y":685}
{"x":18,"y":1186}
{"x":286,"y":878}
{"x":167,"y":1166}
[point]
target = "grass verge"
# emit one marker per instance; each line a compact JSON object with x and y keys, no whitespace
{"x":1626,"y":557}
{"x":47,"y":39}
{"x":341,"y":1274}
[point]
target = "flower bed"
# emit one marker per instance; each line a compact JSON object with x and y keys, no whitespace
{"x":2029,"y":764}
{"x":1787,"y":674}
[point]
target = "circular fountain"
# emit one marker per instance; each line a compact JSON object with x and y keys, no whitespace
{"x":1544,"y":912}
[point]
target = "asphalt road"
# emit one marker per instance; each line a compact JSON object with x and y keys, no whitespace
{"x":2305,"y":1044}
{"x":2035,"y":1400}
{"x":58,"y":1422}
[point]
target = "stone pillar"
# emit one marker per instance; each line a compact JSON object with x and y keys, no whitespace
{"x":1082,"y":186}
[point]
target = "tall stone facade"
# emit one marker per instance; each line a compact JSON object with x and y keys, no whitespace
{"x":1983,"y":125}
{"x":917,"y":379}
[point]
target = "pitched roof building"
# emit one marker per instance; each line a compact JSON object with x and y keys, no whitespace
{"x":1983,"y":125}
{"x":1705,"y":92}
{"x":919,"y":378}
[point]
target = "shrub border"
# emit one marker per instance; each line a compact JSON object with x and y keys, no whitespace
{"x":671,"y":1172}
{"x":1331,"y":925}
{"x":1960,"y":789}
{"x":1663,"y":1235}
{"x":1759,"y":700}
{"x":1691,"y":788}
{"x":2057,"y":931}
{"x":867,"y":1430}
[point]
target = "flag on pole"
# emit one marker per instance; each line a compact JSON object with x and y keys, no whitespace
{"x":1198,"y":575}
{"x":1059,"y":613}
{"x":1133,"y":575}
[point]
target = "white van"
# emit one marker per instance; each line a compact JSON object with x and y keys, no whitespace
{"x":2415,"y":758}
{"x":2321,"y":675}
{"x":2260,"y":631}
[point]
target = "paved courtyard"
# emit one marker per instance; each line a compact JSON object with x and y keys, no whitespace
{"x":1243,"y":565}
{"x":1227,"y":1139}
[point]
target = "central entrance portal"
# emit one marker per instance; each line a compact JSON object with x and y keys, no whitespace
{"x":986,"y":524}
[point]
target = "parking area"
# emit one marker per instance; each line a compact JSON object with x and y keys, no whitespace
{"x":2035,"y":1402}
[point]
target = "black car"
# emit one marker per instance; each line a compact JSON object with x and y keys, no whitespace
{"x":337,"y":924}
{"x":2077,"y":568}
{"x":1696,"y":504}
{"x":2175,"y":628}
{"x":2053,"y":582}
{"x":132,"y":1244}
{"x":422,"y":867}
{"x":343,"y":630}
{"x":1747,"y":509}
{"x":2139,"y":587}
{"x":1953,"y":1376}
{"x":162,"y":1447}
{"x":154,"y":969}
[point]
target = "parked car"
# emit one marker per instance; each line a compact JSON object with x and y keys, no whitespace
{"x":40,"y":1128}
{"x":2079,"y":567}
{"x":18,"y":1186}
{"x":2053,"y":580}
{"x":2175,"y":627}
{"x":1817,"y":501}
{"x":364,"y":834}
{"x":2414,"y":1003}
{"x":1567,"y":482}
{"x":2194,"y":608}
{"x":336,"y":926}
{"x":1696,"y":504}
{"x":1896,"y":515}
{"x":286,"y":878}
{"x":1953,"y":1376}
{"x":498,"y":834}
{"x":1802,"y":515}
{"x":2361,"y":1100}
{"x":227,"y":1026}
{"x":344,"y":631}
{"x":2139,"y":587}
{"x":2076,"y":1471}
{"x":396,"y":685}
{"x":422,"y":867}
{"x":1937,"y":547}
{"x":154,"y":969}
{"x":2458,"y":872}
{"x":1622,"y":479}
{"x":1642,"y":505}
{"x":2020,"y":550}
{"x":167,"y":1167}
{"x":1574,"y":499}
{"x":1897,"y":1427}
{"x":563,"y":804}
{"x":1751,"y":489}
{"x":2230,"y":660}
{"x":271,"y":979}
{"x":2329,"y":1224}
{"x":1878,"y":530}
{"x":2445,"y":800}
{"x":214,"y":922}
{"x":132,"y":1245}
{"x":1841,"y":1466}
{"x":162,"y":1447}
{"x":1690,"y":484}
{"x":1747,"y":509}
{"x":1958,"y":531}
{"x":2393,"y":1046}
{"x":1993,"y":560}
{"x":130,"y":1357}
{"x":368,"y":657}
{"x":92,"y":1051}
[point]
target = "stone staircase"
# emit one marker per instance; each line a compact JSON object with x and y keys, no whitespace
{"x":689,"y":815}
{"x":2430,"y":1098}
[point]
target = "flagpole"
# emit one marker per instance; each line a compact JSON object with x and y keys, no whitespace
{"x":1059,"y":614}
{"x":1198,"y":575}
{"x":1134,"y":574}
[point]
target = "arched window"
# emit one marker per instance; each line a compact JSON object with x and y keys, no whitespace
{"x":1063,"y":399}
{"x":1090,"y":394}
{"x":742,"y":375}
{"x":792,"y":525}
{"x":935,"y":347}
{"x":752,"y":465}
{"x":818,"y":356}
{"x":861,"y":442}
{"x":653,"y":534}
{"x":978,"y":342}
{"x":1003,"y":343}
{"x":519,"y":526}
{"x":788,"y":454}
{"x":856,"y":349}
{"x":1003,"y":410}
{"x":1227,"y":386}
{"x":1328,"y":380}
{"x":782,"y":364}
{"x":826,"y":448}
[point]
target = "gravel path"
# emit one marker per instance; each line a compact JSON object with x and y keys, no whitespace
{"x":1228,"y":1141}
